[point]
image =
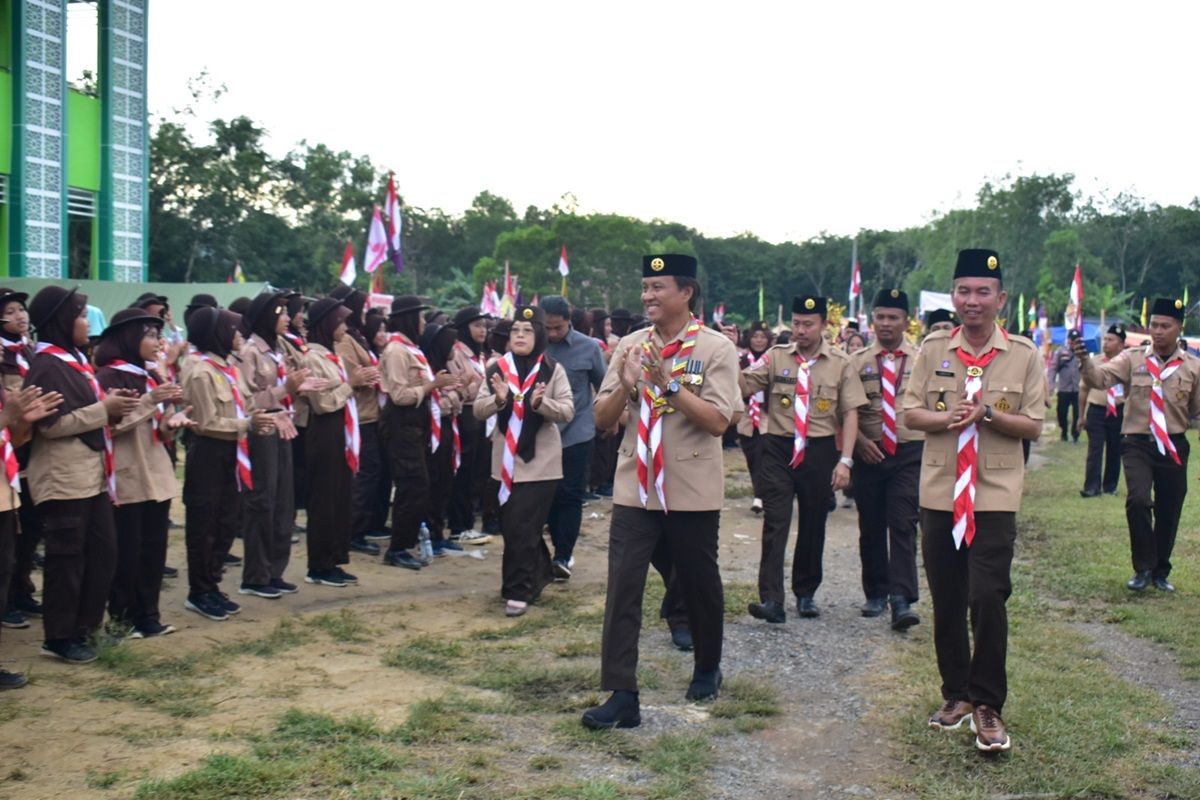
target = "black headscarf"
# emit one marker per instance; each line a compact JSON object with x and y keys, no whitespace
{"x":321,"y":331}
{"x":240,"y":305}
{"x":198,"y":301}
{"x":598,"y":316}
{"x":8,"y":358}
{"x":262,"y":316}
{"x":54,"y":311}
{"x":437,"y":343}
{"x":498,"y":337}
{"x":622,"y":321}
{"x":122,"y":340}
{"x":212,"y":330}
{"x":527,"y":443}
{"x":408,"y":323}
{"x":374,"y":322}
{"x":462,"y":322}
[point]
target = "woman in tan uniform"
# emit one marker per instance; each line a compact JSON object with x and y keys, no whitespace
{"x":445,"y":449}
{"x":146,"y":483}
{"x":469,"y":362}
{"x":754,"y":423}
{"x":525,"y":390}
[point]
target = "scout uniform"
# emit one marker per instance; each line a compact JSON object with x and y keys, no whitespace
{"x":886,"y":493}
{"x":968,"y":555}
{"x":687,"y":474}
{"x":14,"y":365}
{"x":1154,"y":452}
{"x":833,"y":389}
{"x":1103,"y":418}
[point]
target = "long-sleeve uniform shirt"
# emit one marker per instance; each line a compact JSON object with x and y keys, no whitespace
{"x":1181,"y":390}
{"x":1098,"y":395}
{"x":557,"y":406}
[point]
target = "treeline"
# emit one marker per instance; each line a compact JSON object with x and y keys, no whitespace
{"x":286,"y":220}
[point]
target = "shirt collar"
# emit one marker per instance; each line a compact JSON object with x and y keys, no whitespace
{"x":998,"y":341}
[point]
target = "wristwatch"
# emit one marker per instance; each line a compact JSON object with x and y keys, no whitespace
{"x":672,"y":388}
{"x":846,"y":462}
{"x":987,"y":413}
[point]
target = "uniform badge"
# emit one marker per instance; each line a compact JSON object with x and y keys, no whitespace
{"x":940,"y":405}
{"x":785,"y":401}
{"x":974,"y":372}
{"x":804,"y":366}
{"x":1002,"y":404}
{"x":658,"y":265}
{"x":945,"y":365}
{"x":992,"y":263}
{"x":1156,"y":383}
{"x":823,"y":405}
{"x":518,"y":398}
{"x":810,"y":304}
{"x":1181,"y":396}
{"x":787,"y":372}
{"x":869,"y":370}
{"x":528,"y":313}
{"x":888,"y":357}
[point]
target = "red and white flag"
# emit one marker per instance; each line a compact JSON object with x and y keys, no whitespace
{"x":349,"y":268}
{"x":1077,"y":298}
{"x":391,"y":209}
{"x":377,"y":244}
{"x":855,"y":276}
{"x":718,"y":314}
{"x":564,"y":268}
{"x":508,"y":301}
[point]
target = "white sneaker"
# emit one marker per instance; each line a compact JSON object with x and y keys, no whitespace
{"x":474,"y":537}
{"x":757,"y":506}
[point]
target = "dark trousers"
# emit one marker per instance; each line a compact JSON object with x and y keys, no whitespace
{"x":460,"y":515}
{"x":526,"y":570}
{"x":299,"y":470}
{"x":441,"y":485}
{"x":81,"y":557}
{"x":28,"y":536}
{"x":372,"y":483}
{"x":808,"y":487}
{"x":886,"y":495}
{"x":674,"y":607}
{"x":8,"y":535}
{"x":1154,"y":490}
{"x":268,"y":511}
{"x":633,"y":537}
{"x":329,"y":518}
{"x":212,"y":499}
{"x":603,"y":468}
{"x":566,"y":513}
{"x":752,"y":449}
{"x":972,"y":580}
{"x":141,"y":555}
{"x":1068,"y":402}
{"x":405,"y":433}
{"x":1104,"y":447}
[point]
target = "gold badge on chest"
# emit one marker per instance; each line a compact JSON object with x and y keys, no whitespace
{"x":1003,"y":405}
{"x":823,"y":405}
{"x":1181,"y":396}
{"x":785,"y":401}
{"x":974,"y":372}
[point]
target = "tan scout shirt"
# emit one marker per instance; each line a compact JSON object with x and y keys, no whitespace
{"x":354,"y":356}
{"x":295,"y":360}
{"x":558,"y":405}
{"x":466,"y":368}
{"x":868,"y":364}
{"x":1094,"y":396}
{"x":61,"y":466}
{"x":144,"y":470}
{"x":403,"y":376}
{"x":694,"y":478}
{"x":207,"y":391}
{"x":1181,"y":391}
{"x":1013,"y":383}
{"x":833,"y":390}
{"x":259,"y":371}
{"x":334,"y":397}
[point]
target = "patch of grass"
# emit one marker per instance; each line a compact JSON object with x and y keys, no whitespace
{"x":140,"y":733}
{"x":535,"y":687}
{"x":570,"y":735}
{"x":224,"y":776}
{"x":737,"y":596}
{"x":286,"y":635}
{"x":574,"y":648}
{"x":744,"y":697}
{"x":11,"y":710}
{"x":680,"y":762}
{"x":104,"y":780}
{"x":545,"y":762}
{"x":184,"y":699}
{"x":127,"y":661}
{"x":738,"y":490}
{"x":429,"y":655}
{"x":343,"y":626}
{"x":438,"y":722}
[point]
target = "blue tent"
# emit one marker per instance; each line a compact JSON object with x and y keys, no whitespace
{"x":1092,"y":332}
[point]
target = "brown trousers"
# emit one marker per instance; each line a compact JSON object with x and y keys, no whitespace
{"x":526,"y":569}
{"x":81,"y":557}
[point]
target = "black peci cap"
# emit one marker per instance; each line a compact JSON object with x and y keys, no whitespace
{"x":940,"y":315}
{"x":810,"y":304}
{"x":1167,"y":307}
{"x":674,"y":264}
{"x":1118,"y":330}
{"x":531,"y":314}
{"x":892,"y":298}
{"x":978,"y":263}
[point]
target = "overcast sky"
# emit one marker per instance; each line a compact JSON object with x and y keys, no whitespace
{"x":785,"y":119}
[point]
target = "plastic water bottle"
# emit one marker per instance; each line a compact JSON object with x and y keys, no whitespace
{"x":425,"y":544}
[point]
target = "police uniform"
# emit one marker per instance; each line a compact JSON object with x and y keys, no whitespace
{"x":1104,"y":414}
{"x":834,"y":390}
{"x":973,"y":576}
{"x":886,"y":493}
{"x":1156,"y":483}
{"x":694,"y":489}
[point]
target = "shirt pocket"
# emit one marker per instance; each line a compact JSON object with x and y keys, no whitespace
{"x":693,"y":454}
{"x":824,"y":401}
{"x":1003,"y":460}
{"x":935,"y":458}
{"x":1003,"y":395}
{"x":221,"y":390}
{"x":941,"y":390}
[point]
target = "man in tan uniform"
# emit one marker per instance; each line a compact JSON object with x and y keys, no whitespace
{"x":811,"y":390}
{"x":678,"y":381}
{"x":976,"y":392}
{"x":1103,"y":415}
{"x":1162,"y":389}
{"x":887,"y":467}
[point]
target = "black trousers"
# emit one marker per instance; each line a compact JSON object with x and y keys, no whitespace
{"x":8,"y":535}
{"x":268,"y":511}
{"x":441,"y":485}
{"x":674,"y":607}
{"x":566,"y":512}
{"x":372,"y":483}
{"x":1068,"y":402}
{"x":81,"y":558}
{"x":972,"y":580}
{"x":1155,"y":487}
{"x":212,"y":499}
{"x":405,"y":433}
{"x":1104,"y":447}
{"x":329,"y":518}
{"x":633,"y":537}
{"x":28,"y":536}
{"x":808,"y":487}
{"x":526,"y":569}
{"x":299,"y":470}
{"x":886,"y":495}
{"x":141,"y":555}
{"x":603,"y":468}
{"x":460,"y":515}
{"x":752,"y":449}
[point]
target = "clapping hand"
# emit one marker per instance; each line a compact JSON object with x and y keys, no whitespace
{"x":179,"y":420}
{"x":539,"y":391}
{"x":499,"y":388}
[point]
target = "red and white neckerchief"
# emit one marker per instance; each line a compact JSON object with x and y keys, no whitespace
{"x":1158,"y":416}
{"x":447,"y":431}
{"x":650,"y":466}
{"x":18,"y":349}
{"x":12,"y":468}
{"x":891,"y":367}
{"x":296,"y":341}
{"x":85,"y":369}
{"x":435,"y":410}
{"x":754,"y":410}
{"x":350,"y":418}
{"x":519,"y":395}
{"x":1110,"y":398}
{"x":800,"y":408}
{"x":967,"y":466}
{"x":380,"y":394}
{"x":281,"y":378}
{"x":242,"y":472}
{"x":151,"y":385}
{"x":489,"y":427}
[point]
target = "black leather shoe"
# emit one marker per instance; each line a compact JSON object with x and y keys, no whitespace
{"x":401,"y":558}
{"x":1163,"y":585}
{"x":903,"y":617}
{"x":874,"y":606}
{"x":361,"y":545}
{"x":622,"y":710}
{"x":1089,"y":493}
{"x":769,"y":611}
{"x":705,"y":685}
{"x":681,"y":637}
{"x":11,"y":680}
{"x":807,"y":607}
{"x":1139,"y":581}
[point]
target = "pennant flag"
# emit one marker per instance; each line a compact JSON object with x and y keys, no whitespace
{"x":1076,"y":308}
{"x":237,"y":276}
{"x":855,"y":278}
{"x":349,"y":269}
{"x":1021,"y":314}
{"x":761,"y":311}
{"x":564,"y":269}
{"x":377,"y":243}
{"x":1032,"y":313}
{"x":534,"y":301}
{"x":379,"y":282}
{"x":391,"y":208}
{"x":508,"y":301}
{"x":1145,"y":324}
{"x":719,"y":314}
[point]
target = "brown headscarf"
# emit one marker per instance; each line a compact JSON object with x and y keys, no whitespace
{"x":53,"y":312}
{"x":211,"y":330}
{"x":323,"y":318}
{"x":122,"y":341}
{"x":8,"y":357}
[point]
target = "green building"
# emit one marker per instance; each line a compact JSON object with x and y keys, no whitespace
{"x":73,"y":162}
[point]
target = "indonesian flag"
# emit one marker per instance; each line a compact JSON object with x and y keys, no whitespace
{"x":855,"y":276}
{"x":508,"y":302}
{"x":391,"y":208}
{"x":349,"y":269}
{"x":534,"y":301}
{"x":377,"y":243}
{"x":564,"y":269}
{"x":1077,"y":298}
{"x":719,"y":314}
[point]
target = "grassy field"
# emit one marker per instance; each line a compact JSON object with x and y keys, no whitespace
{"x":1078,"y":729}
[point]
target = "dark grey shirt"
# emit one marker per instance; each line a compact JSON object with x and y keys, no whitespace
{"x":580,"y":356}
{"x":1065,"y":369}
